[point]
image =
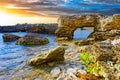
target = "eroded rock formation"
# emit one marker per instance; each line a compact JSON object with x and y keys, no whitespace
{"x":104,"y":26}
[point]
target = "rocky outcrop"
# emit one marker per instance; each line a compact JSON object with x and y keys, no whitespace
{"x":32,"y":39}
{"x":34,"y":28}
{"x":104,"y":35}
{"x":109,"y":23}
{"x":102,"y":59}
{"x":105,"y":27}
{"x":56,"y":54}
{"x":68,"y":24}
{"x":10,"y":37}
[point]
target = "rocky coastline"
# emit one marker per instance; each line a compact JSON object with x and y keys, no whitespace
{"x":96,"y":58}
{"x":34,"y":28}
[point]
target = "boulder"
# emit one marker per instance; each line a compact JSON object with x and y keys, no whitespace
{"x":10,"y":37}
{"x":56,"y":54}
{"x":32,"y":39}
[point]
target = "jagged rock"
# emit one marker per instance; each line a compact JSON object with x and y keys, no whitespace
{"x":10,"y":37}
{"x":32,"y":39}
{"x":109,"y":23}
{"x":56,"y":54}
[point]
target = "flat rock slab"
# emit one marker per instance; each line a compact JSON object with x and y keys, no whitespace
{"x":56,"y":54}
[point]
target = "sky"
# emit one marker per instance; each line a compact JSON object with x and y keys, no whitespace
{"x":48,"y":11}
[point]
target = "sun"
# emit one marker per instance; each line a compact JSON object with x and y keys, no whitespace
{"x":5,"y":18}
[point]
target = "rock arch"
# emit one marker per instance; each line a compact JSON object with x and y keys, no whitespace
{"x":68,"y":24}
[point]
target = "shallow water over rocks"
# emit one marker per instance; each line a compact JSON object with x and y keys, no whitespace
{"x":13,"y":57}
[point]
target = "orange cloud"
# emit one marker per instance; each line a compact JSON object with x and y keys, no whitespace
{"x":12,"y":7}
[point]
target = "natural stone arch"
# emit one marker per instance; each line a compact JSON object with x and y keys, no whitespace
{"x":68,"y":24}
{"x":105,"y":27}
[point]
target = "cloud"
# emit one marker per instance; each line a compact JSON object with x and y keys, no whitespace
{"x":66,"y":7}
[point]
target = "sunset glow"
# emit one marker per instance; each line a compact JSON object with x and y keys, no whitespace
{"x":48,"y":11}
{"x":11,"y":15}
{"x":7,"y":18}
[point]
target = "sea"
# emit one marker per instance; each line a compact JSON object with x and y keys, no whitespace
{"x":12,"y":55}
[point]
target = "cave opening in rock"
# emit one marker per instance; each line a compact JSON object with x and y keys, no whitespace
{"x":82,"y":33}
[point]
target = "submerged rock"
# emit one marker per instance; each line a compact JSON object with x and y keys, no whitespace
{"x":32,"y":39}
{"x":10,"y":37}
{"x":56,"y":54}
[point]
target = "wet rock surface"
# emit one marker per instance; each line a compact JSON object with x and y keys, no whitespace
{"x":74,"y":68}
{"x":56,"y":54}
{"x":96,"y":60}
{"x":10,"y":37}
{"x":32,"y":39}
{"x":54,"y":71}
